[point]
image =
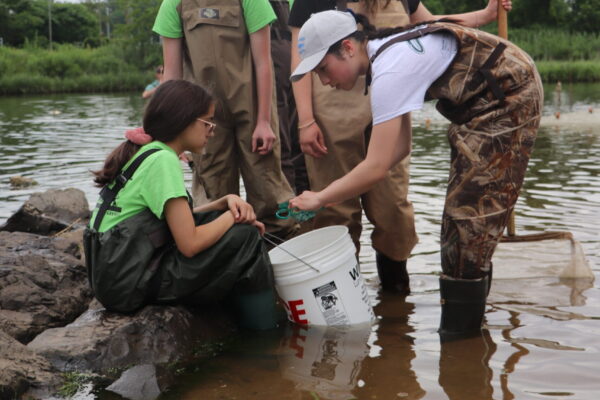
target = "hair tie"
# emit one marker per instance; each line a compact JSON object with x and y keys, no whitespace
{"x":138,"y":136}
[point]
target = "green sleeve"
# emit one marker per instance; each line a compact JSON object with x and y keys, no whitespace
{"x":257,"y":14}
{"x":168,"y":23}
{"x":163,"y":181}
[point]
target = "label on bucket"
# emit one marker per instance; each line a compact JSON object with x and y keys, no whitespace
{"x":330,"y":304}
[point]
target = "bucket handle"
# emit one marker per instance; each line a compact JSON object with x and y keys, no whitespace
{"x":266,"y":238}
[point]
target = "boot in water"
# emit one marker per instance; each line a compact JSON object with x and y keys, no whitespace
{"x":393,"y":275}
{"x":463,"y":306}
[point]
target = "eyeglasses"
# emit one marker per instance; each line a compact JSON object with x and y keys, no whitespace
{"x":209,"y":125}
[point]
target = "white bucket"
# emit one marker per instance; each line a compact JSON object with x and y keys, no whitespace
{"x":336,"y":295}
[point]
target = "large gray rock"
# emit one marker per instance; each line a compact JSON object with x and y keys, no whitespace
{"x":22,"y":370}
{"x":43,"y":283}
{"x":49,"y":212}
{"x":99,"y":340}
{"x":137,"y":383}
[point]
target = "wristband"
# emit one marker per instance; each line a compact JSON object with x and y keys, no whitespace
{"x":306,"y":125}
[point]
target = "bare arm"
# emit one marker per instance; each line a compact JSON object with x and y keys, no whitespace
{"x":172,"y":58}
{"x":217,"y":205}
{"x":260,"y":45}
{"x":148,"y":93}
{"x":311,"y":137}
{"x":472,"y":19}
{"x":390,"y":143}
{"x":191,"y":239}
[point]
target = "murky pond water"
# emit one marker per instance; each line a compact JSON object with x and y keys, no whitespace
{"x":542,"y":331}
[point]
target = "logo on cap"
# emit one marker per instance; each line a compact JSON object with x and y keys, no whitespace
{"x":301,"y":48}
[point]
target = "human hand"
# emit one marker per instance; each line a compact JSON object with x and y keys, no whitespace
{"x":312,"y":141}
{"x":307,"y":201}
{"x":242,"y":211}
{"x":263,"y":138}
{"x":260,"y":226}
{"x":492,"y":8}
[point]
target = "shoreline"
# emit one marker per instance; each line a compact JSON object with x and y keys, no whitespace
{"x":579,"y":71}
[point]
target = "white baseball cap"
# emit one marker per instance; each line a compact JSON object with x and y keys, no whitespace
{"x":317,"y":35}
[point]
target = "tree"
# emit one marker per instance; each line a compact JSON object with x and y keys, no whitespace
{"x":22,"y":20}
{"x":74,"y":23}
{"x":143,"y":47}
{"x":586,"y":15}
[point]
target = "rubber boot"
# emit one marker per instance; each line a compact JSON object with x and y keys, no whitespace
{"x":256,"y":311}
{"x":393,"y":275}
{"x":463,"y":306}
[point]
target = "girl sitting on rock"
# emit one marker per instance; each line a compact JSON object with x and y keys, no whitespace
{"x":146,"y":245}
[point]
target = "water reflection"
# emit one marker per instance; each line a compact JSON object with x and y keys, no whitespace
{"x":324,"y":360}
{"x":542,"y":338}
{"x":465,"y":371}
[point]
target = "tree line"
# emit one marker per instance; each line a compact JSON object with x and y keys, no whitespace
{"x":93,"y":22}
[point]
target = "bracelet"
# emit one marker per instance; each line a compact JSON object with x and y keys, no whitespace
{"x":306,"y":125}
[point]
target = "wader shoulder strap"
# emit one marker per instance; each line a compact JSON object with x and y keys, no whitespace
{"x":485,"y":72}
{"x":406,"y":37}
{"x":402,"y":38}
{"x":108,"y":195}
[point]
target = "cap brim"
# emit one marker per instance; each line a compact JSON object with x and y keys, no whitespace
{"x":307,"y":65}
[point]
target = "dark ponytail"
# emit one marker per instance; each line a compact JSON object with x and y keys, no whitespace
{"x":115,"y":161}
{"x":173,"y":107}
{"x":370,"y":32}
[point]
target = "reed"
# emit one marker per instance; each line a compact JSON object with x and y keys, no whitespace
{"x":68,"y":69}
{"x":552,"y":44}
{"x":569,"y":71}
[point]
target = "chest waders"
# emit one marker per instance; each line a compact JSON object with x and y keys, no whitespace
{"x":136,"y":263}
{"x":493,"y":96}
{"x":344,"y":118}
{"x":217,"y":56}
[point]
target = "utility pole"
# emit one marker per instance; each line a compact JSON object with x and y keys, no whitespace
{"x":50,"y":22}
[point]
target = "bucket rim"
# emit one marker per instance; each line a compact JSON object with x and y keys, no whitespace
{"x":288,"y":258}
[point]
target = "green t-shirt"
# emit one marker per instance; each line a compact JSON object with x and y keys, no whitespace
{"x":257,"y":14}
{"x":158,"y":179}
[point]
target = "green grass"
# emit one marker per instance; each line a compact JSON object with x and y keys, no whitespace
{"x":73,"y":383}
{"x":559,"y":55}
{"x":569,"y":71}
{"x":68,"y":69}
{"x":545,"y":44}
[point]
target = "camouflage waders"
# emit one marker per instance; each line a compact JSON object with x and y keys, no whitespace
{"x":493,"y":96}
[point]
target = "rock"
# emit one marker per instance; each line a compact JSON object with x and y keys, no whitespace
{"x":137,"y":383}
{"x":19,"y":181}
{"x":50,"y":212}
{"x":21,"y":369}
{"x":43,"y":283}
{"x":99,"y":340}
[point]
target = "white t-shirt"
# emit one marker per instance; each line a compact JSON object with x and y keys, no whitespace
{"x":404,"y":71}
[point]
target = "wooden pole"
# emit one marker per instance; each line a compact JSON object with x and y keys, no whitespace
{"x":502,"y":21}
{"x":503,"y":33}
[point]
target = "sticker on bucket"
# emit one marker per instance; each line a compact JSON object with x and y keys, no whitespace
{"x":330,"y":304}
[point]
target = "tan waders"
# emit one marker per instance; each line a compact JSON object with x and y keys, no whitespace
{"x":292,"y":161}
{"x":493,"y":96}
{"x":217,"y":56}
{"x":345,"y":120}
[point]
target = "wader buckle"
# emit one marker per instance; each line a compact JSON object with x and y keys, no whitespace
{"x":121,"y":179}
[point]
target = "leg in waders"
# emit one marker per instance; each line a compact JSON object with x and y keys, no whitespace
{"x":489,"y":158}
{"x":292,"y":161}
{"x":228,"y":72}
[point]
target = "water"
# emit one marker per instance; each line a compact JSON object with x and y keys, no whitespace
{"x":541,"y":341}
